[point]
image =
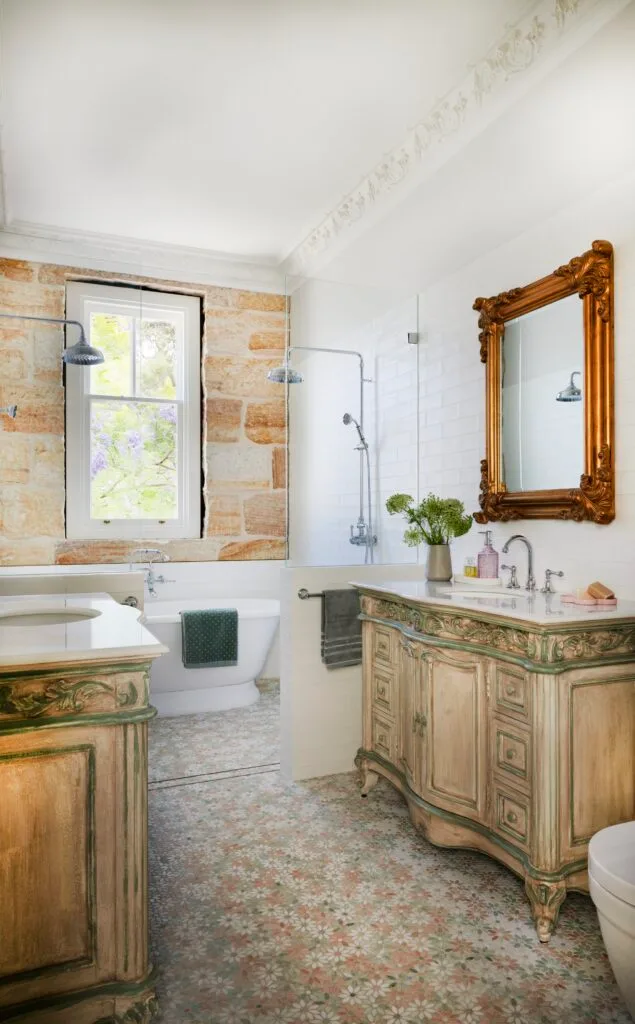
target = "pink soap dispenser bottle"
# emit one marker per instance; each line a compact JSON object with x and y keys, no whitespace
{"x":487,"y":559}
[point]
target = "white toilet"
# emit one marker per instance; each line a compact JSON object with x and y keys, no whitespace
{"x":612,"y":888}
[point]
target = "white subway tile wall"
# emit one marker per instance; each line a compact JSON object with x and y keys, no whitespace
{"x":452,"y":390}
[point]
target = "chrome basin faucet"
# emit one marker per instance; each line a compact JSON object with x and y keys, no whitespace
{"x":531,"y":581}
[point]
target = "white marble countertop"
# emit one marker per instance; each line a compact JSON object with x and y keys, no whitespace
{"x":112,"y":632}
{"x":539,"y":609}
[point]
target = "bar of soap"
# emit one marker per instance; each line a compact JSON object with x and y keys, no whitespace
{"x":600,"y":592}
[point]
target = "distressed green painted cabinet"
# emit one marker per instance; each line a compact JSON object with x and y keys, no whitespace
{"x":73,"y":846}
{"x":510,"y":737}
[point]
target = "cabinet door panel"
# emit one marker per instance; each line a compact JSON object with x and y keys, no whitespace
{"x":57,"y":878}
{"x":456,"y":734}
{"x":597,"y":755}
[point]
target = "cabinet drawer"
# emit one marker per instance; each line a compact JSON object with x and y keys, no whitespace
{"x":384,"y":737}
{"x":383,"y":645}
{"x":512,"y":815}
{"x":383,"y":687}
{"x":512,"y":694}
{"x":512,"y":750}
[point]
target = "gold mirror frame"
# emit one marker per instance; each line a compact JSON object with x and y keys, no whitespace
{"x":591,"y":277}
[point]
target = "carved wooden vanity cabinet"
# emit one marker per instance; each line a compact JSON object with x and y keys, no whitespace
{"x":509,"y":736}
{"x":73,"y":841}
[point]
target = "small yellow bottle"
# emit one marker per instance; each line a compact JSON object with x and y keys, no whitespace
{"x":470,"y":568}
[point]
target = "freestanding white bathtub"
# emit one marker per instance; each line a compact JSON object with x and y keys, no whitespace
{"x":176,"y":690}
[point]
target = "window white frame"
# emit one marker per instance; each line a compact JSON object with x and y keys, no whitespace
{"x":83,"y":299}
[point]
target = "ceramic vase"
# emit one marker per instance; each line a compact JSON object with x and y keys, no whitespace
{"x":439,"y":565}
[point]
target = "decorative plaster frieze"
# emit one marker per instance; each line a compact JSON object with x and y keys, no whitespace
{"x":519,"y":49}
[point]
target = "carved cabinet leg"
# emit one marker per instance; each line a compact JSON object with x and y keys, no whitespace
{"x":369,"y":779}
{"x":546,"y":898}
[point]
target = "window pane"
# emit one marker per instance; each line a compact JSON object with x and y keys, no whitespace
{"x":133,"y":456}
{"x":156,"y":359}
{"x":113,"y":335}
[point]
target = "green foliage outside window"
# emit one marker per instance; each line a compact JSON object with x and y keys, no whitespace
{"x":134,"y":444}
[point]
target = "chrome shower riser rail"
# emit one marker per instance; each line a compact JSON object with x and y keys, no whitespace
{"x":369,"y":555}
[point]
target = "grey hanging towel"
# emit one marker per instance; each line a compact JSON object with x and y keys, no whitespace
{"x":341,"y":643}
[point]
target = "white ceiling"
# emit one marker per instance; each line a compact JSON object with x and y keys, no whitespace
{"x":233,"y":126}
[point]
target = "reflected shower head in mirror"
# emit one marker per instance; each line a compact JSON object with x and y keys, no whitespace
{"x":572,"y":392}
{"x":285,"y":374}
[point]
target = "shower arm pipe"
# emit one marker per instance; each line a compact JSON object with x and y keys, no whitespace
{"x":47,"y":320}
{"x":340,"y":352}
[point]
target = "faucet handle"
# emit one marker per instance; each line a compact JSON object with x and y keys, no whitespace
{"x":548,"y":587}
{"x":513,"y":579}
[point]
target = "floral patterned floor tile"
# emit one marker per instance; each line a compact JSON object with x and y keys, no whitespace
{"x":215,"y":741}
{"x":276,"y":903}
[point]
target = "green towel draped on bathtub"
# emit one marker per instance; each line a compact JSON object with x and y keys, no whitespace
{"x":209,"y":638}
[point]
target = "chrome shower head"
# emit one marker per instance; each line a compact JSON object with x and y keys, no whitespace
{"x":81,"y":353}
{"x":347,"y":419}
{"x":285,"y":374}
{"x":572,"y":392}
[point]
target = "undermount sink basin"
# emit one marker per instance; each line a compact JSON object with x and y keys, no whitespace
{"x":47,"y":616}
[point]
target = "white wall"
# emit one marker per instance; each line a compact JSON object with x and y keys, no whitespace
{"x":453,"y":390}
{"x":321,"y":709}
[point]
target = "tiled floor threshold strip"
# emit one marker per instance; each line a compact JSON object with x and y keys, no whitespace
{"x":190,"y":780}
{"x":278,"y":903}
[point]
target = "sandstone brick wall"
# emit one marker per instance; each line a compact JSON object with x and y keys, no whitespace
{"x":244,"y":430}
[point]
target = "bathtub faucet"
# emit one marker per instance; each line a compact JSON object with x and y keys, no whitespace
{"x":148,"y":556}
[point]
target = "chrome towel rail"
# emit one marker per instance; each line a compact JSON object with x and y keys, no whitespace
{"x":304,"y":595}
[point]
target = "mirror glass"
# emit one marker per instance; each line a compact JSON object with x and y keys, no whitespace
{"x":542,"y":408}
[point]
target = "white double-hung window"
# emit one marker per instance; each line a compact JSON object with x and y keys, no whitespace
{"x":133,"y":447}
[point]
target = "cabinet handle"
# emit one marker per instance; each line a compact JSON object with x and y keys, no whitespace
{"x":510,"y":754}
{"x":510,"y":690}
{"x":381,"y":691}
{"x":512,"y":817}
{"x":381,"y":739}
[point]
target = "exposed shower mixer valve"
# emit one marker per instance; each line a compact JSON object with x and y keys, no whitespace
{"x":362,"y":538}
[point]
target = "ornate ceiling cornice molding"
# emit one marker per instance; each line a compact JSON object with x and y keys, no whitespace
{"x":522,"y":47}
{"x":154,"y":259}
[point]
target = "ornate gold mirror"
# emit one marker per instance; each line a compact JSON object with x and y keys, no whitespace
{"x":548,"y":350}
